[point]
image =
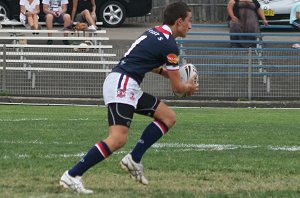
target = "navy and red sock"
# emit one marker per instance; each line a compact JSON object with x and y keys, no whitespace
{"x":152,"y":133}
{"x":96,"y":154}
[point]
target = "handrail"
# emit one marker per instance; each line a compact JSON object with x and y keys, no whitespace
{"x":238,"y":57}
{"x":54,"y":46}
{"x":53,"y":38}
{"x":227,"y":26}
{"x":236,"y":49}
{"x":236,"y":41}
{"x":50,"y":31}
{"x":242,"y":34}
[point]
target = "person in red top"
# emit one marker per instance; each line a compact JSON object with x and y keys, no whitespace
{"x":124,"y":96}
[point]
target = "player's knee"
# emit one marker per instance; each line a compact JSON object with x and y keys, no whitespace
{"x":170,"y":119}
{"x":120,"y":142}
{"x":118,"y":139}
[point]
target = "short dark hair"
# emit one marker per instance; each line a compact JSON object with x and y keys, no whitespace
{"x":175,"y":11}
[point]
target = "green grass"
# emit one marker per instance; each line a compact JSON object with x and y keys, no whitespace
{"x":210,"y":152}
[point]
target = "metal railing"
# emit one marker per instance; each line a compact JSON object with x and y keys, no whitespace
{"x":270,"y":71}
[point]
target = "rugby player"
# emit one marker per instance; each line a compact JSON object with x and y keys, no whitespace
{"x":123,"y":96}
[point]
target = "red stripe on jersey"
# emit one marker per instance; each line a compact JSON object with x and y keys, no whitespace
{"x":162,"y":127}
{"x":102,"y":150}
{"x":161,"y":29}
{"x":126,"y":83}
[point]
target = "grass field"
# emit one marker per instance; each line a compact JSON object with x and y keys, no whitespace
{"x":210,"y":152}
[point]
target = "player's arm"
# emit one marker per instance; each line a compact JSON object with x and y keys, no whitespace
{"x":162,"y":71}
{"x":180,"y":87}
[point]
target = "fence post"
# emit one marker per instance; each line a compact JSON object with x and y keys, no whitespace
{"x":4,"y":69}
{"x":249,"y":73}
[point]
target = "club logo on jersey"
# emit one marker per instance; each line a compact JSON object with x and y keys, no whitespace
{"x":121,"y":93}
{"x":132,"y":97}
{"x":172,"y":58}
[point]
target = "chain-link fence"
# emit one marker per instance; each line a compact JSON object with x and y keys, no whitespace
{"x":269,"y":73}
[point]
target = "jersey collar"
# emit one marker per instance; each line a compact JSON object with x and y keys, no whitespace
{"x":164,"y":29}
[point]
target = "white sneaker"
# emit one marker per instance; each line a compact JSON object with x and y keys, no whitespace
{"x":136,"y":170}
{"x":74,"y":183}
{"x":296,"y":46}
{"x":92,"y":28}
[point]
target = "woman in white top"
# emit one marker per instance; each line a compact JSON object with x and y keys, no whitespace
{"x":29,"y":10}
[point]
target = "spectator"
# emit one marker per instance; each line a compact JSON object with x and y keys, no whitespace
{"x":29,"y":10}
{"x":295,"y":20}
{"x":85,"y":11}
{"x":55,"y":11}
{"x":243,"y":15}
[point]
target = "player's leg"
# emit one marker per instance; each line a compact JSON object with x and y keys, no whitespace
{"x":119,"y":118}
{"x":164,"y":117}
{"x":120,"y":113}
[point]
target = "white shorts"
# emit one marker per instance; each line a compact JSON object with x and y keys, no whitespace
{"x":119,"y":88}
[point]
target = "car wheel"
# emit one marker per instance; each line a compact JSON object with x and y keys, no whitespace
{"x":112,"y":14}
{"x":4,"y":12}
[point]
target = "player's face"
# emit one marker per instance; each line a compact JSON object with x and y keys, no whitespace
{"x":185,"y":25}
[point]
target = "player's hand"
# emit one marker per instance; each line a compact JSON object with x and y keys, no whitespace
{"x":193,"y":85}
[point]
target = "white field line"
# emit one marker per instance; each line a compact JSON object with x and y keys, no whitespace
{"x":23,"y":119}
{"x":173,"y":107}
{"x":39,"y":119}
{"x":159,"y":147}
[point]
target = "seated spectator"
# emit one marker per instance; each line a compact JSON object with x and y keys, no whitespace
{"x":29,"y":10}
{"x":295,"y":20}
{"x":85,"y":11}
{"x":243,"y":15}
{"x":55,"y":11}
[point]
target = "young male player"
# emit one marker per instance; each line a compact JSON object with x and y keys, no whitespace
{"x":124,"y":97}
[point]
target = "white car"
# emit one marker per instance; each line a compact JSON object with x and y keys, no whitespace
{"x":277,"y":10}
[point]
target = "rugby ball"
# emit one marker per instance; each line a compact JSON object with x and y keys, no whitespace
{"x":186,"y":73}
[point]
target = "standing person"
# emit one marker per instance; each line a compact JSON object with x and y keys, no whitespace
{"x":55,"y":11}
{"x":243,"y":15}
{"x":124,"y":97}
{"x":295,"y":20}
{"x":29,"y":10}
{"x":85,"y":11}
